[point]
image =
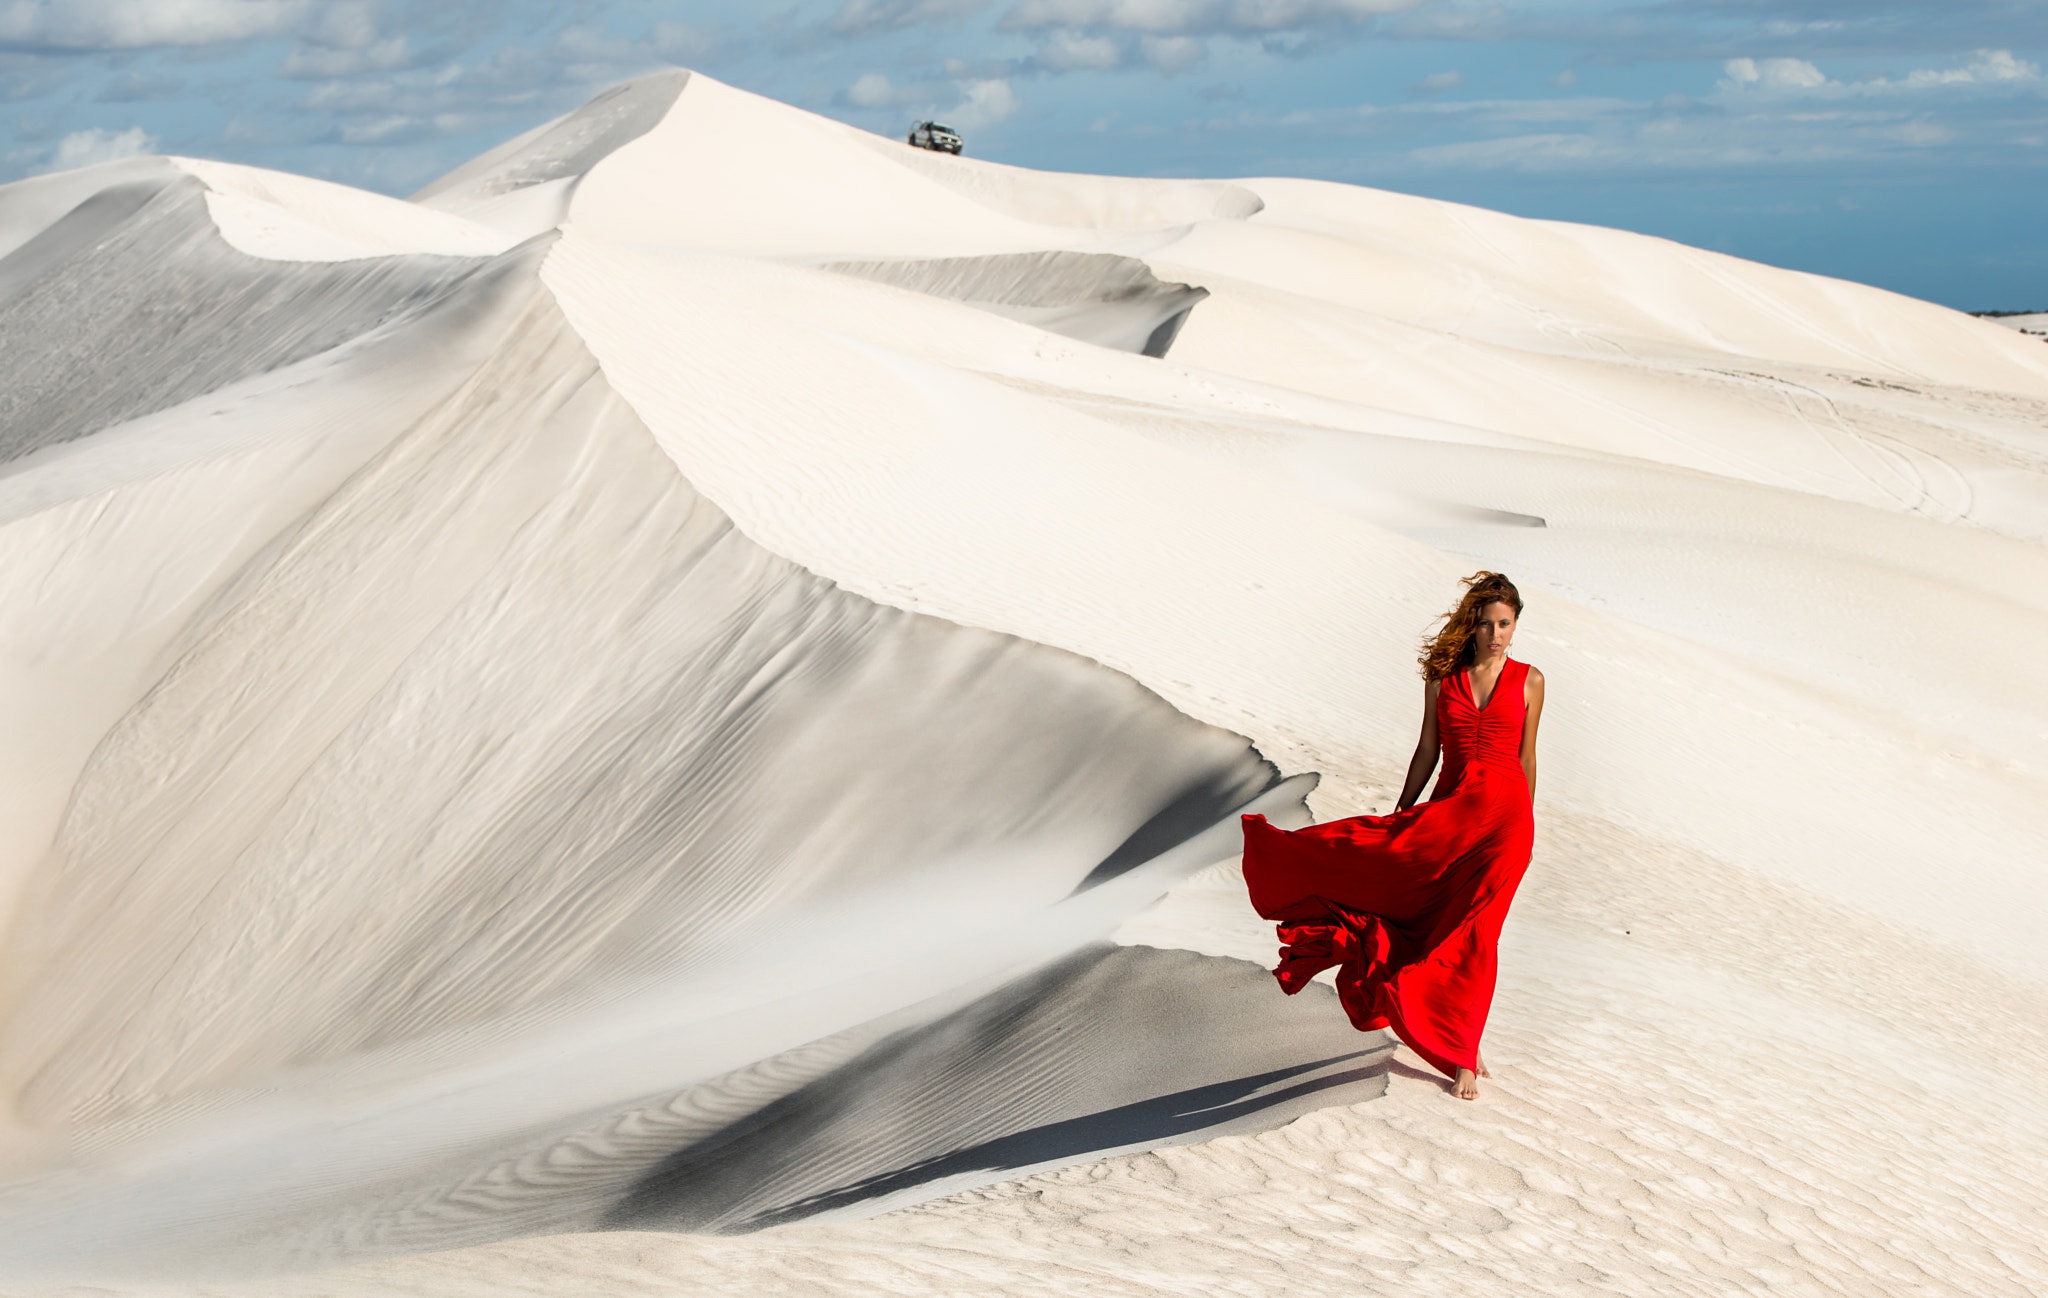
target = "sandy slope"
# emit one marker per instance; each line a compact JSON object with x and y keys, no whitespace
{"x":499,"y":826}
{"x":1772,"y":1001}
{"x":1674,"y":1114}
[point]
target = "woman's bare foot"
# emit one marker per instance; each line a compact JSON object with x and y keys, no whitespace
{"x":1467,"y":1085}
{"x":1479,"y":1064}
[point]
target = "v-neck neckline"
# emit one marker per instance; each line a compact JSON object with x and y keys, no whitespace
{"x":1473,"y":694}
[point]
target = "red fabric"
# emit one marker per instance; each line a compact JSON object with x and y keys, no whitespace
{"x":1409,"y":907}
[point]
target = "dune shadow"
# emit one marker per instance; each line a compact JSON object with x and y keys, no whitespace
{"x":1111,"y":1050}
{"x":1207,"y":798}
{"x":1167,"y":1120}
{"x":1101,"y":298}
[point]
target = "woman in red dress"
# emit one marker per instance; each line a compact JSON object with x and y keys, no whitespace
{"x":1409,"y":907}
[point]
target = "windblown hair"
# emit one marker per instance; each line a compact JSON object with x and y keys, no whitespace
{"x":1449,"y":651}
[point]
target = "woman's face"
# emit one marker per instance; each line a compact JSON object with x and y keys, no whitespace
{"x":1496,"y":629}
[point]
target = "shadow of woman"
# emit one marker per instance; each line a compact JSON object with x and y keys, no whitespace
{"x":1398,"y":1068}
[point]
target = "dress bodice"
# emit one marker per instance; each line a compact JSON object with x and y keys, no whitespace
{"x":1475,"y":736}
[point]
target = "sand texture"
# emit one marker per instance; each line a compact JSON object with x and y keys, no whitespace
{"x":667,"y":716}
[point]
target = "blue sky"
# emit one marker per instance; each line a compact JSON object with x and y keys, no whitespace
{"x":1899,"y":142}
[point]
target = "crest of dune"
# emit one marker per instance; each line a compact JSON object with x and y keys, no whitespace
{"x":695,"y":679}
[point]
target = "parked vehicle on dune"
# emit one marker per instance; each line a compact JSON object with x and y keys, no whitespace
{"x":937,"y":138}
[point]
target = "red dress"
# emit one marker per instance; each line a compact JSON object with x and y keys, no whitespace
{"x":1409,"y":906}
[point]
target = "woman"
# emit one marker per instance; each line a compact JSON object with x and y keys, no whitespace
{"x":1409,"y":906}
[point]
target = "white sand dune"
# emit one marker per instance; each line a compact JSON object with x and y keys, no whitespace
{"x":633,"y":734}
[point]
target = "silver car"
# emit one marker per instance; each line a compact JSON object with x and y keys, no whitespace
{"x":937,"y":138}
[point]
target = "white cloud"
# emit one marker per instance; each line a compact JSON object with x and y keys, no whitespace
{"x":1593,"y":136}
{"x":984,"y":103}
{"x":1774,"y":116}
{"x":1196,"y":17}
{"x":1921,"y":134}
{"x":313,"y":61}
{"x":1173,"y":54}
{"x":1658,"y":146}
{"x":1789,"y":27}
{"x":1067,"y":51}
{"x":1772,"y":74}
{"x":90,"y":147}
{"x":871,"y":90}
{"x":867,"y":17}
{"x":135,"y":24}
{"x":356,"y":96}
{"x":1437,"y":83}
{"x":1797,"y":76}
{"x":590,"y":55}
{"x":1990,"y":67}
{"x":1514,"y":153}
{"x":352,"y":24}
{"x":378,"y":130}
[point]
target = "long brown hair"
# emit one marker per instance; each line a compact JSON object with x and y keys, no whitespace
{"x":1449,"y":651}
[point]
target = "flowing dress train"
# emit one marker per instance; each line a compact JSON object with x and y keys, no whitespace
{"x":1409,"y":907}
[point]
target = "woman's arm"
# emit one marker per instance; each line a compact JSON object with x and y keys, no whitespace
{"x":1426,"y":749}
{"x":1532,"y":695}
